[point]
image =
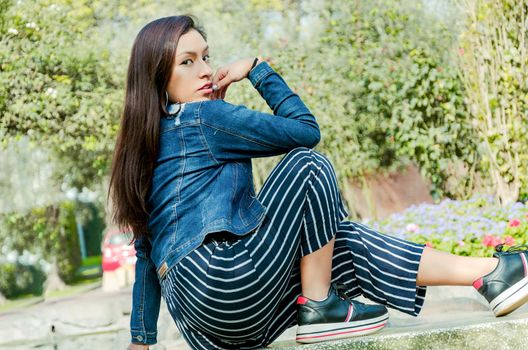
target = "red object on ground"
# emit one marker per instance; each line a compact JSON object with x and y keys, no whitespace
{"x":117,"y":250}
{"x":514,"y":223}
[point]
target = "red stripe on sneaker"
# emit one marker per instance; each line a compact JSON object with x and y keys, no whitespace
{"x":302,"y":300}
{"x":338,"y":333}
{"x":523,"y":257}
{"x":478,"y":283}
{"x":349,"y":316}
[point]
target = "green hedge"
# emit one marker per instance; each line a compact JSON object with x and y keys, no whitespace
{"x":17,"y":279}
{"x":50,"y":232}
{"x":382,"y":81}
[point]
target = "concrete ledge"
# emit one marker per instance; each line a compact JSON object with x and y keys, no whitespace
{"x":452,"y":318}
{"x":511,"y":334}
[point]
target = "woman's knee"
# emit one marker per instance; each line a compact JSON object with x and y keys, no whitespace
{"x":298,"y":151}
{"x":307,"y":154}
{"x":324,"y":161}
{"x":302,"y":156}
{"x":298,"y":158}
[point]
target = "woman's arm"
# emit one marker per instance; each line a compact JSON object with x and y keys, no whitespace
{"x":146,"y":297}
{"x":231,"y":73}
{"x":237,"y":132}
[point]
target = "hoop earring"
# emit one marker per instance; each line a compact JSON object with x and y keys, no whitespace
{"x":171,"y":110}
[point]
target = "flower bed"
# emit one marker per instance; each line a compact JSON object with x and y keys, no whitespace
{"x":471,"y":227}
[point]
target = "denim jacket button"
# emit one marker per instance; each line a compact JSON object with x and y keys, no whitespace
{"x":140,"y":338}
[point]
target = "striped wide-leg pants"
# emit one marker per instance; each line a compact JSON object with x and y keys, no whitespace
{"x":240,"y":292}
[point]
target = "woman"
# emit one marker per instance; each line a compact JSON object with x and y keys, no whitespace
{"x":236,"y":269}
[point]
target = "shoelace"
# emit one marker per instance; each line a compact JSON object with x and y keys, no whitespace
{"x":340,"y":289}
{"x":512,"y":249}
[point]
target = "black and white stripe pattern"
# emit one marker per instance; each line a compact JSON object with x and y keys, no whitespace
{"x":240,"y":293}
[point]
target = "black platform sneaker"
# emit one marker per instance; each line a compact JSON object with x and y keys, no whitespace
{"x":337,"y":317}
{"x":506,"y":287}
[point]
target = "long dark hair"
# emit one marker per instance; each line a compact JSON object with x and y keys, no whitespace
{"x":149,"y":72}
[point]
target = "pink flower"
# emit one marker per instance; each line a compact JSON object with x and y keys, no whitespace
{"x":491,"y":241}
{"x":461,"y":51}
{"x":412,"y":227}
{"x":429,"y":244}
{"x":496,"y":241}
{"x":461,"y":243}
{"x":508,"y":240}
{"x":514,"y":223}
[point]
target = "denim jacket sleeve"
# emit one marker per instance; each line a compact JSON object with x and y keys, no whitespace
{"x":146,"y":296}
{"x":233,"y":131}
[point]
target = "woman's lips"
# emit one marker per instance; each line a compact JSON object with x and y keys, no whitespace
{"x":208,"y":86}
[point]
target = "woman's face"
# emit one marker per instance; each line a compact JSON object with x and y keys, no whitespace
{"x":191,"y":70}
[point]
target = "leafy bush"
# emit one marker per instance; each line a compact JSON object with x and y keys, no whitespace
{"x":50,"y":232}
{"x":58,"y":84}
{"x":381,"y":80}
{"x":471,"y":227}
{"x":17,"y":279}
{"x":493,"y":60}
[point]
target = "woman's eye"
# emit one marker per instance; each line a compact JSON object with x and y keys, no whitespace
{"x":206,"y":59}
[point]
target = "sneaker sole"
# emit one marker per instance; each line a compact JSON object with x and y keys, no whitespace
{"x":511,"y":298}
{"x":315,"y":333}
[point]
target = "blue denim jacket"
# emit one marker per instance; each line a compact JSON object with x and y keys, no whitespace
{"x":203,"y":182}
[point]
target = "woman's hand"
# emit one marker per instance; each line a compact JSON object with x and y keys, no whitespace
{"x":133,"y":346}
{"x":231,"y":73}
